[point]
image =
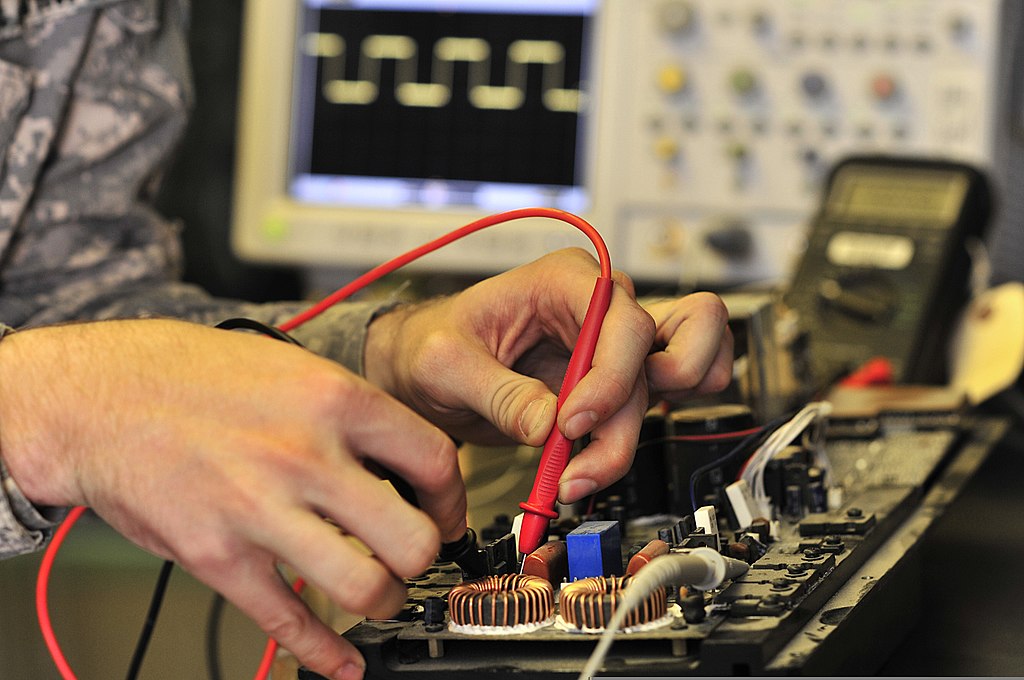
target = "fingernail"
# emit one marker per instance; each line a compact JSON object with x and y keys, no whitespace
{"x":534,"y":418}
{"x":350,"y":671}
{"x":580,"y":424}
{"x":575,"y":489}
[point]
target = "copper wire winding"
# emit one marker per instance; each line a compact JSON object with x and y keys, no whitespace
{"x":590,"y":603}
{"x":506,"y":600}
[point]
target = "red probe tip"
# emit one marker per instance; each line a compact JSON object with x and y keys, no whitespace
{"x":533,"y":531}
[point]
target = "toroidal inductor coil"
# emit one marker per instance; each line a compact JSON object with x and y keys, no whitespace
{"x":589,"y":603}
{"x":507,"y":600}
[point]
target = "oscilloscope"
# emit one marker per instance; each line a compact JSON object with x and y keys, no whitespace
{"x":696,"y":134}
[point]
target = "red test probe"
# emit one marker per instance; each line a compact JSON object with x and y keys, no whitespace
{"x":540,"y":506}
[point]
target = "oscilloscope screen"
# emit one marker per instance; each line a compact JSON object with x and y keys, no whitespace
{"x":410,"y":106}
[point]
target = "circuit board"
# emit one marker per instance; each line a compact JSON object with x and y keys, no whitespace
{"x":887,"y":473}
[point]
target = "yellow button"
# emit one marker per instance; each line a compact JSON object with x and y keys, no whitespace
{"x":666,"y":148}
{"x":737,"y":151}
{"x":672,"y":79}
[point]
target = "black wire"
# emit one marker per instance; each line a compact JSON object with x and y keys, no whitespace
{"x":758,"y":436}
{"x":242,"y":323}
{"x":213,"y":636}
{"x":151,"y":616}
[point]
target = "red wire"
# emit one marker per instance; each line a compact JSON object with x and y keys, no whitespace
{"x":717,"y":436}
{"x":42,"y":584}
{"x":604,"y":260}
{"x":271,"y":649}
{"x":416,"y":253}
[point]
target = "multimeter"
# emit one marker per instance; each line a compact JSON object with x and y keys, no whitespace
{"x":886,"y":267}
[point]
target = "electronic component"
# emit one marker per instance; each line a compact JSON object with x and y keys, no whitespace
{"x":887,"y":265}
{"x":497,"y":557}
{"x":707,"y":522}
{"x":550,"y":562}
{"x":816,"y":495}
{"x":742,"y":502}
{"x":686,"y":534}
{"x":697,"y":440}
{"x":736,"y":624}
{"x":511,"y":600}
{"x":645,"y":555}
{"x":595,"y":549}
{"x":590,"y":603}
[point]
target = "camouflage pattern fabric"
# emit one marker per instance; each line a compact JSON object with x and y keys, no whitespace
{"x":94,"y":95}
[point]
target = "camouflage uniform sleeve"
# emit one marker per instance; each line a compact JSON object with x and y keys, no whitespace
{"x":81,"y":154}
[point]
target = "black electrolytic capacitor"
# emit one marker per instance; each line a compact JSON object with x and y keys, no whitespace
{"x":817,"y":497}
{"x":793,"y":506}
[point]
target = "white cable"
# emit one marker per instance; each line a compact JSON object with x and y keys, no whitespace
{"x":753,"y":474}
{"x":702,"y":568}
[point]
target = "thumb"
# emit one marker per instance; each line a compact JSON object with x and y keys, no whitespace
{"x":536,"y":419}
{"x":520,"y":407}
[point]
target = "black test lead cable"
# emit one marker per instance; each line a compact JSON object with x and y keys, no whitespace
{"x":213,"y":620}
{"x":151,"y":615}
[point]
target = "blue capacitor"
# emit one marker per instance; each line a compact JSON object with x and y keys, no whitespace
{"x":595,"y":549}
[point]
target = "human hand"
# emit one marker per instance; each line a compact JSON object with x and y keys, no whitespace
{"x":223,"y":451}
{"x":484,"y":364}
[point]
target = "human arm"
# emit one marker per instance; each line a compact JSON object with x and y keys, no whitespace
{"x":223,"y":450}
{"x":484,"y":364}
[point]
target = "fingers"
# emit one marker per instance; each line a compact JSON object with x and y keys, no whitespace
{"x":358,"y":582}
{"x":610,"y":401}
{"x":716,"y":377}
{"x":259,"y":592}
{"x":609,"y":454}
{"x":625,"y":340}
{"x":520,"y":407}
{"x":377,"y":427}
{"x":434,"y":473}
{"x":370,"y":509}
{"x":697,"y":347}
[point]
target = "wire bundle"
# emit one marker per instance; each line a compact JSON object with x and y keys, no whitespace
{"x":753,"y":472}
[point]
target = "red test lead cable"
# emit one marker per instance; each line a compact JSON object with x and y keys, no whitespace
{"x":42,"y":586}
{"x":391,"y":265}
